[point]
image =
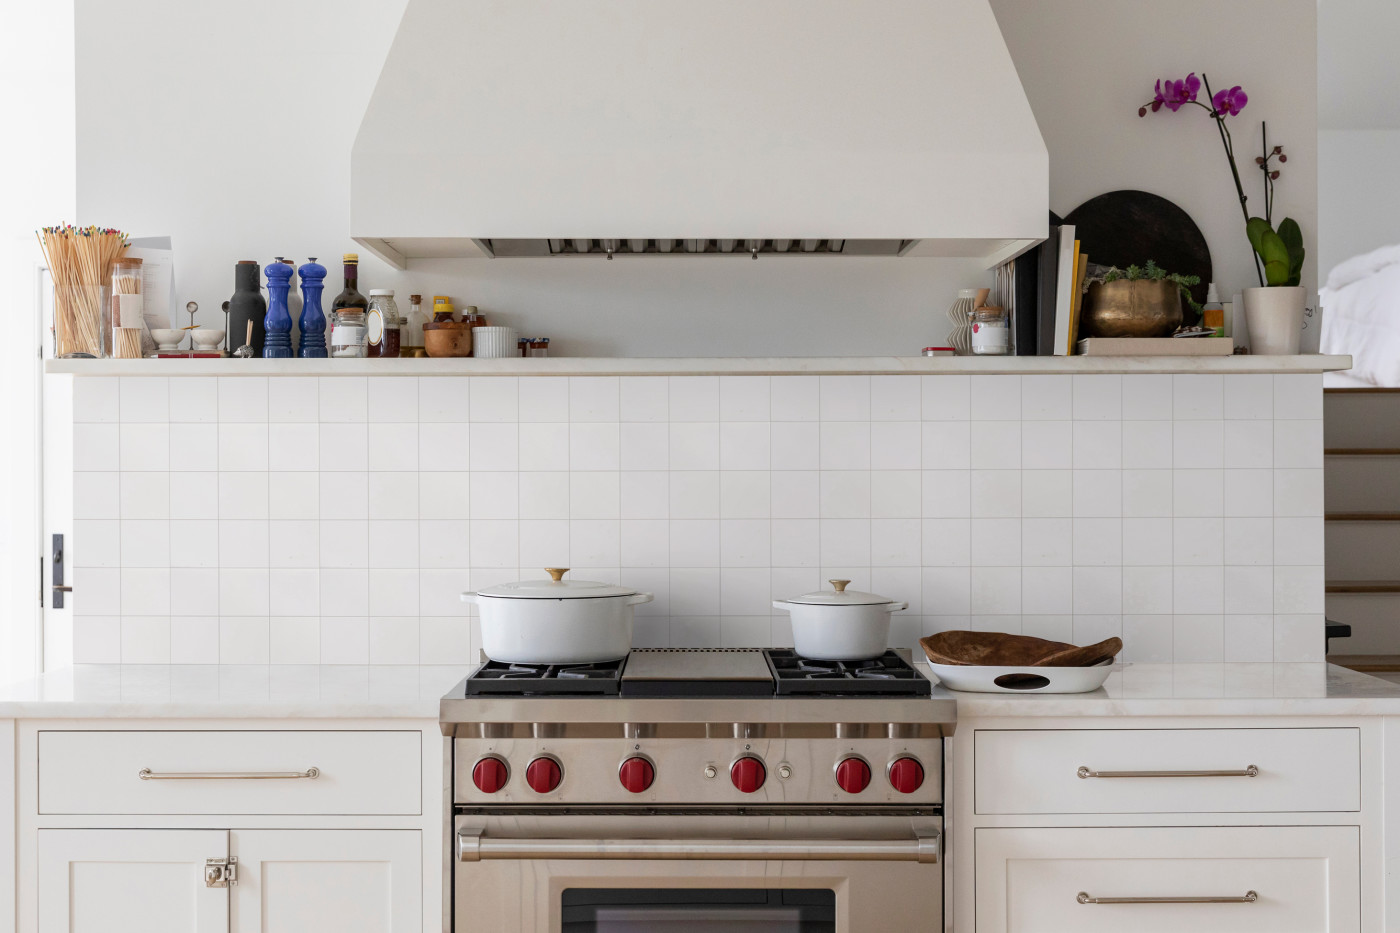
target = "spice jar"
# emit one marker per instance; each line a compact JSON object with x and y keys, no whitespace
{"x":539,"y":346}
{"x":991,"y":332}
{"x":442,"y":309}
{"x":411,"y":330}
{"x":522,"y":346}
{"x":383,"y":333}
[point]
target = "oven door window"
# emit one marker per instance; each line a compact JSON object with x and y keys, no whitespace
{"x":698,"y":910}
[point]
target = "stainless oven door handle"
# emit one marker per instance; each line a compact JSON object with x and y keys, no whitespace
{"x":473,"y":847}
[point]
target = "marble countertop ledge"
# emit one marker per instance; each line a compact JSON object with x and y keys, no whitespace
{"x":711,"y":366}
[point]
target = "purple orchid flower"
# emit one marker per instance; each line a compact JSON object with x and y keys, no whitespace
{"x":1231,"y":101}
{"x":1179,"y":92}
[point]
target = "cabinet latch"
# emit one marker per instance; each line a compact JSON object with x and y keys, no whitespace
{"x":220,"y":872}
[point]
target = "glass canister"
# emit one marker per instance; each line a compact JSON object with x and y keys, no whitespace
{"x":127,"y":309}
{"x":384,"y":334}
{"x":348,"y":335}
{"x":411,"y":330}
{"x":991,"y":332}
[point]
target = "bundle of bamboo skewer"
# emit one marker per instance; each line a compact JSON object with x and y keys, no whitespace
{"x":80,"y":262}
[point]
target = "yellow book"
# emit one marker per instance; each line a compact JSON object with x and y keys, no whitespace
{"x":1081,"y":269}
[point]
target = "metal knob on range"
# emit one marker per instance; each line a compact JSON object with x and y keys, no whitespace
{"x":852,"y":775}
{"x":906,"y":775}
{"x":748,"y":774}
{"x":636,"y":774}
{"x":490,"y":774}
{"x":543,"y":775}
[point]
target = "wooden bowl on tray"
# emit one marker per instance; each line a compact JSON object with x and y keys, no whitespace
{"x":996,"y":662}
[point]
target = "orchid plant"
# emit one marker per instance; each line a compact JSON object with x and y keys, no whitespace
{"x":1279,"y":253}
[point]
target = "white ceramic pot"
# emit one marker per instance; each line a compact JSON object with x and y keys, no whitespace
{"x":556,"y":621}
{"x":840,"y":624}
{"x":1274,"y":319}
{"x":495,"y":342}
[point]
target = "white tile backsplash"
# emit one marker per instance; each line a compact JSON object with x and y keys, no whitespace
{"x":297,"y":520}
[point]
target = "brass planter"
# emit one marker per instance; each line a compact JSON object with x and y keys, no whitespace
{"x":1143,"y":308}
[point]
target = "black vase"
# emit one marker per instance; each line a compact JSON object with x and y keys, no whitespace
{"x":247,"y":304}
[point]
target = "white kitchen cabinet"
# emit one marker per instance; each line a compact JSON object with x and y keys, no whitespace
{"x":130,"y":881}
{"x":349,"y":881}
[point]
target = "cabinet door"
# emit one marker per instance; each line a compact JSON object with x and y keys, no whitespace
{"x":130,"y":881}
{"x":346,"y":880}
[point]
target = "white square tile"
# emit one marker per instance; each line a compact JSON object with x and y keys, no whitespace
{"x":1147,"y":542}
{"x":645,"y":446}
{"x":1046,"y":542}
{"x":744,"y":494}
{"x":1047,"y":398}
{"x":393,"y":447}
{"x":995,"y":542}
{"x":1147,"y":590}
{"x":895,"y":398}
{"x":595,"y":446}
{"x":193,"y":398}
{"x":343,"y":398}
{"x":393,"y":544}
{"x":444,"y":399}
{"x":192,"y":495}
{"x":1198,"y":589}
{"x":744,"y":398}
{"x":996,"y":445}
{"x":645,"y":542}
{"x":96,"y":447}
{"x":344,"y":544}
{"x":693,"y":446}
{"x":1297,"y":444}
{"x":544,"y":399}
{"x":193,"y":447}
{"x":1249,"y":590}
{"x":744,"y":591}
{"x":1147,"y":397}
{"x":94,"y":544}
{"x":495,"y":495}
{"x":595,"y":542}
{"x":145,"y":591}
{"x":947,"y":445}
{"x":145,"y":446}
{"x":896,"y":494}
{"x":1098,"y":445}
{"x":694,"y":592}
{"x":947,"y":542}
{"x":1249,"y":492}
{"x":1047,"y":493}
{"x":393,"y":592}
{"x":345,"y":640}
{"x":1198,"y":542}
{"x":1198,"y":638}
{"x":145,"y":543}
{"x":445,"y":641}
{"x":194,"y":543}
{"x":1249,"y":638}
{"x":1098,"y":397}
{"x":645,"y":494}
{"x":96,"y":399}
{"x":794,"y":445}
{"x":591,"y":495}
{"x":657,"y":582}
{"x":245,"y":446}
{"x":947,"y":590}
{"x":440,"y":594}
{"x":1047,"y":590}
{"x":444,"y":545}
{"x":1297,"y":396}
{"x":289,"y":495}
{"x":243,"y":399}
{"x":845,"y":398}
{"x":1198,"y":493}
{"x":898,"y":542}
{"x":293,"y":543}
{"x":745,"y":631}
{"x":1249,"y":541}
{"x":243,"y":592}
{"x":845,"y":542}
{"x":1147,"y":493}
{"x":996,"y":590}
{"x":745,"y":542}
{"x":1296,"y":492}
{"x":1198,"y":397}
{"x":1249,"y":397}
{"x":902,"y":584}
{"x":694,"y":543}
{"x":1098,"y":493}
{"x":496,"y":399}
{"x":1098,"y":542}
{"x":1047,"y":445}
{"x":694,"y":398}
{"x":1249,"y":444}
{"x":293,"y":447}
{"x":845,"y":494}
{"x":796,"y":494}
{"x":294,"y":592}
{"x":695,"y":494}
{"x":996,"y":493}
{"x":1299,"y":589}
{"x":643,"y":398}
{"x":1296,"y":638}
{"x":145,"y":399}
{"x":344,"y":592}
{"x":794,"y":398}
{"x":543,"y":447}
{"x":845,"y":445}
{"x":545,"y":543}
{"x":1298,"y":541}
{"x":97,"y":591}
{"x":1147,"y":639}
{"x":946,"y":493}
{"x":147,"y":495}
{"x":393,"y":640}
{"x":145,"y":640}
{"x":946,"y":397}
{"x":1198,"y":445}
{"x":542,"y":496}
{"x":243,"y":641}
{"x":344,"y":496}
{"x":292,"y":400}
{"x":1146,"y":444}
{"x":494,"y":446}
{"x":194,"y":641}
{"x":996,"y":398}
{"x":1090,"y":629}
{"x":1098,"y":590}
{"x":344,"y":447}
{"x":294,"y":640}
{"x":796,"y":542}
{"x":394,"y":400}
{"x":743,"y":445}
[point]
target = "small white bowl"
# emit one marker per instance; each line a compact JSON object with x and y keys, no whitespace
{"x":207,"y":339}
{"x":167,"y":338}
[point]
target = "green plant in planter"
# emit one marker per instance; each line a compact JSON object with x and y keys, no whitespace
{"x":1154,"y":273}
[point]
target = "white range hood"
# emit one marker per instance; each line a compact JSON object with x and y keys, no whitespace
{"x":646,"y":127}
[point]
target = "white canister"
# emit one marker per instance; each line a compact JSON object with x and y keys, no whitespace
{"x":1274,"y":319}
{"x":494,"y":342}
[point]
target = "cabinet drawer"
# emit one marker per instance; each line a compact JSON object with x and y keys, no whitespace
{"x":240,"y":772}
{"x":1039,"y":771}
{"x":1305,"y":879}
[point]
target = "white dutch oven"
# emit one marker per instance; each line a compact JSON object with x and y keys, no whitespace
{"x":556,"y":621}
{"x":841,"y":624}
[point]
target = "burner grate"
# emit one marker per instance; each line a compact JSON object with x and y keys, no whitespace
{"x":497,"y":677}
{"x":887,"y":675}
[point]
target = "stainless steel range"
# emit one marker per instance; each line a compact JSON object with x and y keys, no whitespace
{"x":725,"y":789}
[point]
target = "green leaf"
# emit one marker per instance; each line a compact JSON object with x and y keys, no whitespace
{"x":1272,"y":250}
{"x":1292,"y":236}
{"x":1255,"y":230}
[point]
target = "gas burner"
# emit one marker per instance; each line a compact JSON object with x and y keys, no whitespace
{"x":496,"y":677}
{"x":886,"y":675}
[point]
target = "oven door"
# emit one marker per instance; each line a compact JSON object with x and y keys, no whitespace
{"x":690,"y":873}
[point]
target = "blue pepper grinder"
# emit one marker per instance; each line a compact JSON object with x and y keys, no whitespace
{"x":278,"y":344}
{"x":313,"y":319}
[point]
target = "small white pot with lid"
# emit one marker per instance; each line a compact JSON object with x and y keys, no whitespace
{"x":840,"y":624}
{"x":556,"y":621}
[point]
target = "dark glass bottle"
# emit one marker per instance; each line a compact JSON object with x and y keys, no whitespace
{"x":247,"y":304}
{"x":349,"y":299}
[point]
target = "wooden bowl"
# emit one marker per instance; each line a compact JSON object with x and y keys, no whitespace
{"x":997,"y":649}
{"x":447,"y":339}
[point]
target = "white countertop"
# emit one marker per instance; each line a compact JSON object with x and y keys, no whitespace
{"x":616,"y":366}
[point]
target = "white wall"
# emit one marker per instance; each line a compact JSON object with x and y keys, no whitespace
{"x":1358,"y":193}
{"x":243,"y":153}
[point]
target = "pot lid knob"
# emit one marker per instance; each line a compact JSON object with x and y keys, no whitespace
{"x":556,"y":573}
{"x":840,"y":585}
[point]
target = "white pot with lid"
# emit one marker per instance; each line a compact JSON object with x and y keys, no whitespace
{"x":556,"y":621}
{"x":840,"y":624}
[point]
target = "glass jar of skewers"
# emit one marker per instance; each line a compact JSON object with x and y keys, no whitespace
{"x":128,"y":323}
{"x":80,"y":263}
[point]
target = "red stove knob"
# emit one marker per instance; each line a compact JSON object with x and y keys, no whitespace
{"x":543,"y":775}
{"x":636,"y":774}
{"x":747,"y":774}
{"x":906,"y":775}
{"x":853,"y":775}
{"x":489,"y":775}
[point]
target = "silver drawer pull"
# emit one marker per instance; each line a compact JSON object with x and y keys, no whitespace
{"x":1249,"y":897}
{"x":1084,"y":773}
{"x":473,"y":847}
{"x":146,"y":774}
